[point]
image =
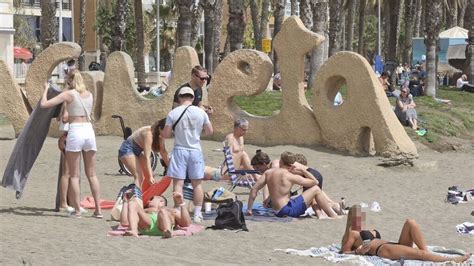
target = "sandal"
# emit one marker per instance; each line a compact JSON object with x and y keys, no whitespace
{"x":98,"y":215}
{"x":75,"y":214}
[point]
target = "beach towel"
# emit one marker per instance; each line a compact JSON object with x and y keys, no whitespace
{"x":331,"y":254}
{"x":88,"y":203}
{"x":260,"y":214}
{"x":455,"y":195}
{"x":28,"y":145}
{"x":466,"y":228}
{"x":178,"y":230}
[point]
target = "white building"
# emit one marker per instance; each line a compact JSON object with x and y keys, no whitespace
{"x":6,"y":32}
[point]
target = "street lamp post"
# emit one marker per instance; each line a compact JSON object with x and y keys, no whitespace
{"x":379,"y":48}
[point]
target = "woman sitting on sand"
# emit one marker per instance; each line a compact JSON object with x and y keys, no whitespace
{"x":360,"y":242}
{"x":156,"y":219}
{"x":136,"y":149}
{"x":80,"y":138}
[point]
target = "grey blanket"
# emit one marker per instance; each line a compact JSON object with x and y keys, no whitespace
{"x":28,"y":145}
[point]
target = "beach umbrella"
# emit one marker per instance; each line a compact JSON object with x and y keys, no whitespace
{"x":22,"y":53}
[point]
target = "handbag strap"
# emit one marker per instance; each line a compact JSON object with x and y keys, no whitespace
{"x":177,"y":121}
{"x":84,"y":106}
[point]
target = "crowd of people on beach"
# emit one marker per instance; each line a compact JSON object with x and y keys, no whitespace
{"x":187,"y":121}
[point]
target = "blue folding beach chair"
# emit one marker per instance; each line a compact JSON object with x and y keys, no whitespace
{"x":238,"y":178}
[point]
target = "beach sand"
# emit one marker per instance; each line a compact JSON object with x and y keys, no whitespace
{"x":32,"y":233}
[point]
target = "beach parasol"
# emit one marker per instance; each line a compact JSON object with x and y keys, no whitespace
{"x":22,"y":53}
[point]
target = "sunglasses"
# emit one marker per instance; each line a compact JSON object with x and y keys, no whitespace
{"x":202,"y":78}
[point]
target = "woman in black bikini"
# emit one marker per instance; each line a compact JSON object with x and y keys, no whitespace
{"x":361,"y":242}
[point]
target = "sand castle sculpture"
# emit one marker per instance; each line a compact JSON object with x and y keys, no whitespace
{"x":364,"y":123}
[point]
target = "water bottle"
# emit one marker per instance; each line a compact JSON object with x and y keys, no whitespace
{"x":218,"y":193}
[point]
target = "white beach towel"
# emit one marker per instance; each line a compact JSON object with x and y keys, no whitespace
{"x":331,"y":254}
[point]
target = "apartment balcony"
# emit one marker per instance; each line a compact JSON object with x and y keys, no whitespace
{"x":37,"y":4}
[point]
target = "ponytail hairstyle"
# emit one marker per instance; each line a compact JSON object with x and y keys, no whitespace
{"x":156,"y":129}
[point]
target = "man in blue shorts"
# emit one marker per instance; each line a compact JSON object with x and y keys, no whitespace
{"x":279,"y":182}
{"x":187,"y":121}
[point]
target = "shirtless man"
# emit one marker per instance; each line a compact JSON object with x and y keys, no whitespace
{"x":279,"y":182}
{"x":235,"y":140}
{"x":156,"y":219}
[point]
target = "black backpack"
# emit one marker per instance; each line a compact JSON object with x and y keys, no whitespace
{"x":230,"y":216}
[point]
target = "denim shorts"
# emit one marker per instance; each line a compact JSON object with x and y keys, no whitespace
{"x":129,"y":147}
{"x":186,"y":162}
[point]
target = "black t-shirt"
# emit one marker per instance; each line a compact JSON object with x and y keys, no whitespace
{"x":197,"y":94}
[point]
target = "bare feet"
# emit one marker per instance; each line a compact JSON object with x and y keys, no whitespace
{"x":167,"y":234}
{"x":461,"y":259}
{"x":130,"y":233}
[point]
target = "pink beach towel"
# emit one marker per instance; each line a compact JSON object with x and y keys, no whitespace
{"x":88,"y":203}
{"x":178,"y":231}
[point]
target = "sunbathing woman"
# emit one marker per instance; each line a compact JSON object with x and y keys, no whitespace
{"x":156,"y":219}
{"x":360,"y":242}
{"x":136,"y":149}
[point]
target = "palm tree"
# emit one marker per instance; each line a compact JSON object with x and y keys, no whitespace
{"x":236,"y":24}
{"x":433,"y":25}
{"x":351,"y":6}
{"x":195,"y":24}
{"x":409,"y":24}
{"x":395,"y":8}
{"x":335,"y":30}
{"x":462,"y":6}
{"x":278,"y":14}
{"x":259,"y":23}
{"x":360,"y":45}
{"x":48,"y":23}
{"x":140,"y":44}
{"x":219,"y":6}
{"x":418,"y":15}
{"x":452,"y":13}
{"x":306,"y":14}
{"x":82,"y":31}
{"x":294,"y":7}
{"x":320,"y":25}
{"x":470,"y":47}
{"x":183,"y":30}
{"x":119,"y":26}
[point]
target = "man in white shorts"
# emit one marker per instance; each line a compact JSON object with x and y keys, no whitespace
{"x":188,"y":122}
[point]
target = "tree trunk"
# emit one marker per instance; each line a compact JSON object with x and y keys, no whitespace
{"x":452,"y":13}
{"x":423,"y":18}
{"x":335,"y":30}
{"x":466,"y":18}
{"x":208,"y":33}
{"x":140,"y":43}
{"x":418,"y":15}
{"x":257,"y":34}
{"x":278,"y":14}
{"x":82,"y":32}
{"x":350,"y":24}
{"x":218,"y":12}
{"x":433,"y":25}
{"x":409,"y":21}
{"x":264,"y":19}
{"x":196,"y":24}
{"x":48,"y":23}
{"x":470,"y":46}
{"x":306,"y":15}
{"x":183,"y":28}
{"x":236,"y":24}
{"x":360,"y":45}
{"x":395,"y":8}
{"x":462,"y":6}
{"x":320,"y":25}
{"x":120,"y":24}
{"x":294,"y":7}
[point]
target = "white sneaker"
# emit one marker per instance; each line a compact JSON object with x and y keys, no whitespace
{"x":197,"y":219}
{"x":82,"y":210}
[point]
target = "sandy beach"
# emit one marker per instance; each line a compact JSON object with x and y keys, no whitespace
{"x":32,"y":233}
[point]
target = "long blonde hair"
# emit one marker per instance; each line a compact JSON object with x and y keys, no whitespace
{"x":353,"y":211}
{"x":78,"y":82}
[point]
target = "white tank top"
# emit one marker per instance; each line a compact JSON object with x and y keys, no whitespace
{"x":75,"y":108}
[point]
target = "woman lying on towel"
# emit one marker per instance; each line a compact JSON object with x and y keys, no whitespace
{"x":135,"y":151}
{"x":156,"y":219}
{"x":368,"y":242}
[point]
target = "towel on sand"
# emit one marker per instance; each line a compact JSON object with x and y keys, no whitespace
{"x":178,"y":231}
{"x":331,"y":253}
{"x":88,"y":203}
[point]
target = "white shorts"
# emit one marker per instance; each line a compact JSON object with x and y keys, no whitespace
{"x":80,"y":137}
{"x":186,"y":163}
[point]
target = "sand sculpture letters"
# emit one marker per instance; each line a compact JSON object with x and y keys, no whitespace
{"x":364,"y":123}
